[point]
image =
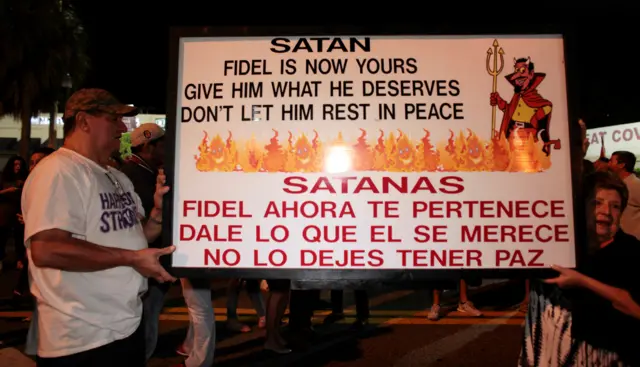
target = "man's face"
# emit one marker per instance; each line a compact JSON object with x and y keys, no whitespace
{"x":105,"y":131}
{"x":614,"y":165}
{"x":604,"y":214}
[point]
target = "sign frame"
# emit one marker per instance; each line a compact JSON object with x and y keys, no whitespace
{"x":348,"y":278}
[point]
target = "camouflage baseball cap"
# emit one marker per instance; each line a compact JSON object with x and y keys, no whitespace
{"x":98,"y":100}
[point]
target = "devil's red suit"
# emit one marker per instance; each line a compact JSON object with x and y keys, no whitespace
{"x":530,"y":96}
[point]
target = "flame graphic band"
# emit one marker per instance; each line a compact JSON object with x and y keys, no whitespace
{"x":389,"y":152}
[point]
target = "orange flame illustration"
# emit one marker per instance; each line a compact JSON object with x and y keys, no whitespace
{"x":464,"y":151}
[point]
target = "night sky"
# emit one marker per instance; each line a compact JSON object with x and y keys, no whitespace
{"x":129,"y":52}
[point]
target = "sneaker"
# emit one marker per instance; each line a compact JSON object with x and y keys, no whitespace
{"x":236,"y":326}
{"x":182,"y":351}
{"x":434,"y":313}
{"x":468,"y":307}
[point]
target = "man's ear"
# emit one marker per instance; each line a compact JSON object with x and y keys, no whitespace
{"x":81,"y":121}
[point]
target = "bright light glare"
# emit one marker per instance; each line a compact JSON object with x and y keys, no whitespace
{"x":338,"y":160}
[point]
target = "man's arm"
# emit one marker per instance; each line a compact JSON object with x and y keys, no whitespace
{"x":55,"y":248}
{"x":153,"y":225}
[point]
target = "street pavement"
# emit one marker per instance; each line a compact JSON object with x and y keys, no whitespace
{"x":398,"y":335}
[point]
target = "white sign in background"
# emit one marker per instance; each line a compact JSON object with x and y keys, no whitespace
{"x":543,"y":232}
{"x":618,"y":137}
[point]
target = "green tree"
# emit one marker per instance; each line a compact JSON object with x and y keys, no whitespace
{"x":41,"y":41}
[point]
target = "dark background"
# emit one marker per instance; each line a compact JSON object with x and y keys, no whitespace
{"x":129,"y":43}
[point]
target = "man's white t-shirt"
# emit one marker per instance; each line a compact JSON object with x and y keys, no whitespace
{"x":630,"y":219}
{"x":78,"y":311}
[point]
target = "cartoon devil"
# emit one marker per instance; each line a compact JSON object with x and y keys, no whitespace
{"x":527,"y":109}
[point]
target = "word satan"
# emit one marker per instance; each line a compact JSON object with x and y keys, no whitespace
{"x":320,"y":44}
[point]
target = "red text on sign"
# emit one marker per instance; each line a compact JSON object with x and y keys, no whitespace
{"x":368,"y":185}
{"x":329,"y":234}
{"x":341,"y":258}
{"x":277,"y":233}
{"x":217,"y":257}
{"x":275,"y":258}
{"x":211,"y":209}
{"x":430,"y":234}
{"x":513,"y":258}
{"x":440,"y":258}
{"x":383,"y":234}
{"x":518,"y":233}
{"x":213,"y":233}
{"x":309,"y":209}
{"x":389,"y":209}
{"x":490,"y":209}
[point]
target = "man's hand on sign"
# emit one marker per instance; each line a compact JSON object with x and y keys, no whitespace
{"x":568,"y":278}
{"x":161,"y":189}
{"x":147,"y":263}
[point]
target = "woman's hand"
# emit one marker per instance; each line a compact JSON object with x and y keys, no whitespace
{"x":568,"y":278}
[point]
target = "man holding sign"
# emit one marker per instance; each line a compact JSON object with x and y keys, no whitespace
{"x":86,"y":242}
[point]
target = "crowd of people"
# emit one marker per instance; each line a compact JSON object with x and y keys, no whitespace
{"x":87,"y":228}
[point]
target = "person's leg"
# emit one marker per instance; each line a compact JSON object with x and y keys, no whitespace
{"x":233,"y":292}
{"x":277,"y":301}
{"x":362,"y":305}
{"x":465,"y":305}
{"x":337,"y":307}
{"x":434,"y":312}
{"x":197,"y":296}
{"x":153,"y":303}
{"x":253,"y":290}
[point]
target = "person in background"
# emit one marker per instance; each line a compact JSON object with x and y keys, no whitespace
{"x":22,"y":287}
{"x":622,"y":164}
{"x":464,"y":304}
{"x":337,"y":308}
{"x":142,"y":168}
{"x":252,"y":287}
{"x":589,"y":316}
{"x":13,"y":176}
{"x":88,"y":274}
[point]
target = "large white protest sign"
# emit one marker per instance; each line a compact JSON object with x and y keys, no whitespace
{"x":372,"y":153}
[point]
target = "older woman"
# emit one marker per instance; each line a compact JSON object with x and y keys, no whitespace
{"x":590,"y":316}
